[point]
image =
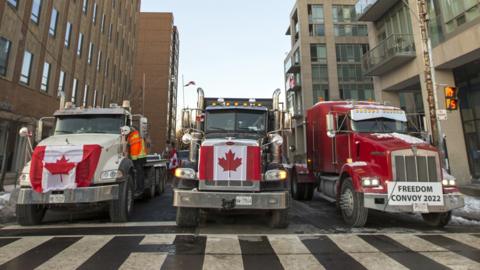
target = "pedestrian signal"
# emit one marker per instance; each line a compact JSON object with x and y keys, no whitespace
{"x":451,"y":98}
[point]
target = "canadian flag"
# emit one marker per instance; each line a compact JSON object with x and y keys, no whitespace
{"x":230,"y":162}
{"x":63,"y":167}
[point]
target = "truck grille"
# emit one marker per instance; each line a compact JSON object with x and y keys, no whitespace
{"x":422,"y":167}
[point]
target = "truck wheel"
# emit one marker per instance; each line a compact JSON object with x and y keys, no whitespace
{"x":121,"y":208}
{"x":297,"y":190}
{"x":353,"y":210}
{"x":187,"y":217}
{"x":438,"y":220}
{"x":30,"y":214}
{"x":279,"y":219}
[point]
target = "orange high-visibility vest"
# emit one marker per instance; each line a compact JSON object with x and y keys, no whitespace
{"x":137,"y":145}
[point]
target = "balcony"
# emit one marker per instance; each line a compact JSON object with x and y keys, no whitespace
{"x":394,"y":51}
{"x":373,"y":10}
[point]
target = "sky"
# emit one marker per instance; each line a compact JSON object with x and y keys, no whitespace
{"x":229,"y":48}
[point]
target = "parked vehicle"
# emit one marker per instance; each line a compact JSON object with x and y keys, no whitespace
{"x":86,"y":162}
{"x":359,"y":156}
{"x":235,"y":160}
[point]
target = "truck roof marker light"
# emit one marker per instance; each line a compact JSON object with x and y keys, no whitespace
{"x":214,"y":104}
{"x":235,"y":104}
{"x":227,"y":104}
{"x":245,"y":104}
{"x":349,"y":160}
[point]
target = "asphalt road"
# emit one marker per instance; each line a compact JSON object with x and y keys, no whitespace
{"x":317,"y":238}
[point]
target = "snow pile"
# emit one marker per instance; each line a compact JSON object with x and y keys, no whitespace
{"x":471,"y":210}
{"x":447,"y":176}
{"x":404,"y":137}
{"x":4,"y":198}
{"x":357,"y":164}
{"x":463,"y":221}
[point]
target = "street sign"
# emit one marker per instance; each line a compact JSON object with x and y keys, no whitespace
{"x":442,"y":115}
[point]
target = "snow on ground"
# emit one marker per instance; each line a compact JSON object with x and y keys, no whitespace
{"x":471,"y":211}
{"x":463,"y":221}
{"x":4,"y":198}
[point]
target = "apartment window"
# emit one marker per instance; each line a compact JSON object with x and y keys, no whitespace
{"x":102,"y":24}
{"x":317,"y":30}
{"x":74,"y":91}
{"x":316,"y":20}
{"x":26,"y":67}
{"x":36,"y":10}
{"x":350,"y":72}
{"x":91,"y":49}
{"x":13,"y":3}
{"x":320,"y":92}
{"x":351,"y":30}
{"x":80,"y":45}
{"x":85,"y":6}
{"x":45,"y":77}
{"x":68,"y":35}
{"x":351,"y":52}
{"x":319,"y":73}
{"x":99,"y":60}
{"x":94,"y":16}
{"x":53,"y":23}
{"x":356,"y":91}
{"x":85,"y":96}
{"x":318,"y":52}
{"x":5,"y":45}
{"x":343,"y":13}
{"x":456,"y":13}
{"x":61,"y":82}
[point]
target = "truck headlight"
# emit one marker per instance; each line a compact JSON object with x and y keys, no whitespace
{"x":24,"y":179}
{"x":449,"y":183}
{"x":111,"y":174}
{"x":274,"y":175}
{"x":185,"y":173}
{"x":370,"y":182}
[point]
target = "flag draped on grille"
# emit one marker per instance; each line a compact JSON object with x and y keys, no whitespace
{"x":63,"y":167}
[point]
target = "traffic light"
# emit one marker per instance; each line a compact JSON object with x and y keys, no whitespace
{"x":451,"y":98}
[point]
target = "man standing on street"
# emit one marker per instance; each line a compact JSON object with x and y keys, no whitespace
{"x":138,"y":155}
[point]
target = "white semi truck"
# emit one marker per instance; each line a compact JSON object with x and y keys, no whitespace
{"x":86,"y":162}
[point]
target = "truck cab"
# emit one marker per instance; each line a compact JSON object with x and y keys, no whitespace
{"x":235,"y":160}
{"x":85,"y":162}
{"x":360,"y":156}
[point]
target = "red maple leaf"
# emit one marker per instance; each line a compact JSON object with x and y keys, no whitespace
{"x":230,"y":163}
{"x":62,"y":166}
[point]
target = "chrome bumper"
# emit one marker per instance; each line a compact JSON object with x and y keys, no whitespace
{"x":218,"y":200}
{"x":451,"y":201}
{"x":72,"y":196}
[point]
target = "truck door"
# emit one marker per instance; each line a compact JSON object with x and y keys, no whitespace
{"x":342,"y":141}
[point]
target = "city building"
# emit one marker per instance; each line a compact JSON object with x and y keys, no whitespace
{"x":82,"y":49}
{"x":396,"y":62}
{"x":156,"y":76}
{"x":324,"y":62}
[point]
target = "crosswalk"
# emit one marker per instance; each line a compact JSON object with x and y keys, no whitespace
{"x":188,"y":251}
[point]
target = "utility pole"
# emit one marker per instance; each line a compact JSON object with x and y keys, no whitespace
{"x":428,"y":71}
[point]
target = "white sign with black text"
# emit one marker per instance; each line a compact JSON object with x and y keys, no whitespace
{"x":415,"y":193}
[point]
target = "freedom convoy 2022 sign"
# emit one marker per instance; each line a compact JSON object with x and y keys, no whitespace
{"x":420,"y":195}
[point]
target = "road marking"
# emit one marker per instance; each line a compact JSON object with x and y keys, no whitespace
{"x":293,"y":254}
{"x":93,"y":225}
{"x":75,"y":255}
{"x":21,"y":246}
{"x":454,"y":246}
{"x":435,"y":252}
{"x":189,"y":253}
{"x":144,"y":261}
{"x":258,"y":253}
{"x":223,"y":252}
{"x":160,"y":239}
{"x":364,"y":253}
{"x":466,"y":239}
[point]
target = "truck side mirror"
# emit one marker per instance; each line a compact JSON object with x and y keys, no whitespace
{"x":331,"y":131}
{"x":39,"y":131}
{"x":287,"y":121}
{"x":143,"y":127}
{"x":186,"y":119}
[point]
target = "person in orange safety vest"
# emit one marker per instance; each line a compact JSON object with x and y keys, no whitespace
{"x":138,"y":155}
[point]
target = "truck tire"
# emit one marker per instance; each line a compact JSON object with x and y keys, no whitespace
{"x":121,"y":208}
{"x":353,"y":210}
{"x":297,"y":190}
{"x":187,"y":217}
{"x":438,"y":220}
{"x":279,"y":219}
{"x":30,"y":214}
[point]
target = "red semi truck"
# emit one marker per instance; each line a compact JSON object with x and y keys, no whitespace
{"x":359,"y":156}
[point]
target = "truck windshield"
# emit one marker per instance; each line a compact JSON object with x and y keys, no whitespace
{"x":235,"y":121}
{"x":379,"y":125}
{"x":109,"y":124}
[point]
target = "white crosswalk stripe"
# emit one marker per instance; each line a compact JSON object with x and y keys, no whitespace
{"x":225,"y":251}
{"x":436,"y":253}
{"x":20,"y":246}
{"x":364,"y":253}
{"x":73,"y":256}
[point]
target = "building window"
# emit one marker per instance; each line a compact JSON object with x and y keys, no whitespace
{"x":45,"y":77}
{"x":61,"y":83}
{"x":316,"y":20}
{"x":99,"y":60}
{"x":102,"y":24}
{"x":318,"y":53}
{"x":353,"y":84}
{"x":91,"y":49}
{"x":53,"y":23}
{"x":455,"y":13}
{"x":320,"y":92}
{"x":344,"y":13}
{"x":13,"y":3}
{"x":85,"y":6}
{"x":351,"y":30}
{"x":80,"y":45}
{"x":36,"y":10}
{"x":319,"y":73}
{"x":94,"y":16}
{"x":74,"y":91}
{"x":356,"y":91}
{"x":68,"y":35}
{"x":351,"y":52}
{"x":85,"y":96}
{"x":5,"y":45}
{"x":26,"y":68}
